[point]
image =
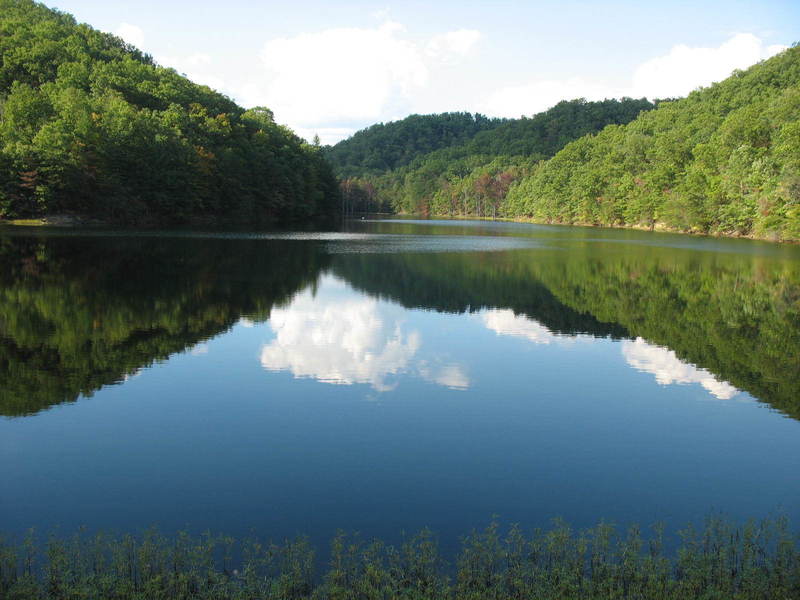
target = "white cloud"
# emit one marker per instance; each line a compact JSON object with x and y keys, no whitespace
{"x":451,"y":47}
{"x":677,"y":73}
{"x":318,"y":82}
{"x":198,"y":67}
{"x":669,"y":369}
{"x":451,"y":375}
{"x":685,"y":69}
{"x":131,"y":34}
{"x":345,"y":340}
{"x":338,"y":74}
{"x":505,"y":322}
{"x":537,"y":96}
{"x":199,"y":349}
{"x":342,"y":343}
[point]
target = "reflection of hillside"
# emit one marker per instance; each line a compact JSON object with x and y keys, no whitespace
{"x":80,"y":313}
{"x":467,"y":282}
{"x":735,"y":317}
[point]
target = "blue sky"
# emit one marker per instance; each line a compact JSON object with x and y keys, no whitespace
{"x":334,"y":67}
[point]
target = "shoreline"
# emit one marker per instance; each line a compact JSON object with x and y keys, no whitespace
{"x":658,"y":228}
{"x":79,"y":221}
{"x":56,"y":220}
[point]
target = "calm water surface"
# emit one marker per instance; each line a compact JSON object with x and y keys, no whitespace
{"x":393,"y":376}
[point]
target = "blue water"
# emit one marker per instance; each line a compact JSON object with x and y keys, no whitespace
{"x":402,"y":382}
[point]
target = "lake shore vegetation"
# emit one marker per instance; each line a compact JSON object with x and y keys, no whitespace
{"x":753,"y":561}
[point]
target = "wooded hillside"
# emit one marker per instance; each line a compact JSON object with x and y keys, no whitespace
{"x":470,"y":170}
{"x":91,"y":125}
{"x":725,"y":160}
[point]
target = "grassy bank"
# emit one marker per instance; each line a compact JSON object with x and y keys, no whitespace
{"x":720,"y":561}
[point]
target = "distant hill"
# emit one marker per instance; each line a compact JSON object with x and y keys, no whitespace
{"x":91,"y":125}
{"x":441,"y":169}
{"x":724,"y":160}
{"x":386,"y":146}
{"x":547,"y":132}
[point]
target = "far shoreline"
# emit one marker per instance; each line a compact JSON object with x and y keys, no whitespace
{"x":77,"y":221}
{"x":658,"y":228}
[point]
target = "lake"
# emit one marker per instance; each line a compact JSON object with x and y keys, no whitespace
{"x":395,"y":375}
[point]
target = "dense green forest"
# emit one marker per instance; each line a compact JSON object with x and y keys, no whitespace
{"x":460,"y":164}
{"x":386,"y":146}
{"x":91,"y":125}
{"x":726,"y":160}
{"x":722,"y":560}
{"x":77,"y":314}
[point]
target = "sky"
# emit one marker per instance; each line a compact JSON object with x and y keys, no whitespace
{"x":331,"y":68}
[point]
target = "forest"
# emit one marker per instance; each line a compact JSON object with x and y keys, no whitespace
{"x":457,"y":163}
{"x":89,"y":125}
{"x":724,"y":160}
{"x":387,"y":146}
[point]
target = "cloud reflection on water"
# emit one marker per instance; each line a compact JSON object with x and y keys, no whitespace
{"x":669,"y":369}
{"x":340,"y":339}
{"x":661,"y":362}
{"x":337,"y":338}
{"x":506,"y":322}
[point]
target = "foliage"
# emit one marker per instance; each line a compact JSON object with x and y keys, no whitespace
{"x":359,"y":195}
{"x":386,"y":146}
{"x":90,"y":125}
{"x":468,"y":172}
{"x":724,"y":160}
{"x":755,"y":561}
